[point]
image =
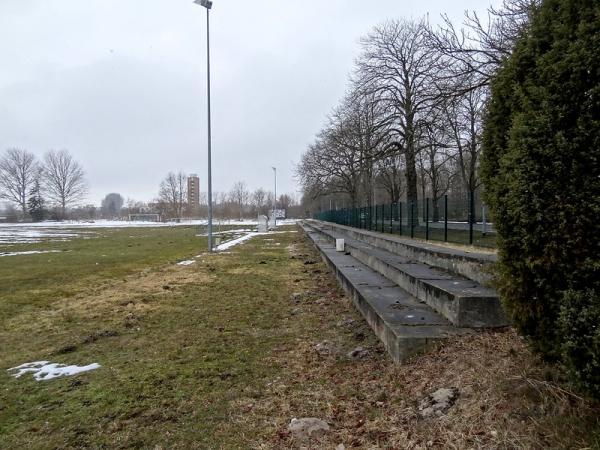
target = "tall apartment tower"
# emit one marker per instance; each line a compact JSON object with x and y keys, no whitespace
{"x":193,"y":192}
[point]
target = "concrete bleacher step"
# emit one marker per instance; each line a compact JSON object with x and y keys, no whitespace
{"x":464,"y":302}
{"x":404,"y":324}
{"x":470,"y":264}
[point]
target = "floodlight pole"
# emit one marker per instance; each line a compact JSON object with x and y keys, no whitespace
{"x":275,"y":199}
{"x":208,"y":5}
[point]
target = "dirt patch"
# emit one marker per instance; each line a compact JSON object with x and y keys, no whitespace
{"x":135,"y":294}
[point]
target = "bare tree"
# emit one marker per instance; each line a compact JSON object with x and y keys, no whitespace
{"x":64,"y":179}
{"x":112,"y":205}
{"x":326,"y":169}
{"x":173,"y":192}
{"x":479,"y":48}
{"x":18,"y":173}
{"x":366,"y":133}
{"x":285,"y":202}
{"x":389,"y":175}
{"x":399,"y":67}
{"x":464,"y":117}
{"x":259,"y":198}
{"x":436,"y":172}
{"x":239,"y":195}
{"x":341,"y":159}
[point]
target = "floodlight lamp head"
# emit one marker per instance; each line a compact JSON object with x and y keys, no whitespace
{"x":206,"y":3}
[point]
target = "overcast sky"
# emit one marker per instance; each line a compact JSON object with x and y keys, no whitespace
{"x":121,"y":84}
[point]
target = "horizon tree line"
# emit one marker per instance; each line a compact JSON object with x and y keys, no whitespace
{"x":410,"y":124}
{"x":56,"y":182}
{"x":237,"y":203}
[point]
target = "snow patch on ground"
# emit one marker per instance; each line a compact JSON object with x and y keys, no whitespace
{"x":227,"y":245}
{"x":32,"y":252}
{"x":238,"y":231}
{"x":23,"y":235}
{"x":45,"y":370}
{"x":185,"y":263}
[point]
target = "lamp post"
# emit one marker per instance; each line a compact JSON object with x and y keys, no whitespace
{"x":275,"y":199}
{"x":208,"y":5}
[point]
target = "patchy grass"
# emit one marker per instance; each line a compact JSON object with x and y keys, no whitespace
{"x":218,"y":355}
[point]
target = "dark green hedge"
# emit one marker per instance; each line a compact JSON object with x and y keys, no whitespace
{"x":541,"y":168}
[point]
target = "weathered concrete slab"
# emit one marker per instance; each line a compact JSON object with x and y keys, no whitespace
{"x":472,"y":265}
{"x":404,"y":324}
{"x":462,"y":301}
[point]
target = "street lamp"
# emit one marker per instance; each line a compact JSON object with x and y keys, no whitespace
{"x":208,"y":5}
{"x":275,"y":199}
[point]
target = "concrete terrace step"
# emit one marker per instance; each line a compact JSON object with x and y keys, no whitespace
{"x":469,"y":264}
{"x":404,"y":324}
{"x":464,"y":302}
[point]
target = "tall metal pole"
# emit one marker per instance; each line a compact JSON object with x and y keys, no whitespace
{"x":210,"y":205}
{"x":275,"y":199}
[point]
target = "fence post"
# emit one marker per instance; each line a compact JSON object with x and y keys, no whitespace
{"x":471,"y":215}
{"x":383,"y":218}
{"x":392,"y":218}
{"x":400,"y":217}
{"x":412,"y":218}
{"x":427,"y":219}
{"x":446,"y":218}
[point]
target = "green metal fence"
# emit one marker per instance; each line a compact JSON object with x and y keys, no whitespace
{"x":461,"y":220}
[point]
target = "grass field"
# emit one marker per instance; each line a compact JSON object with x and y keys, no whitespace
{"x":217,"y":355}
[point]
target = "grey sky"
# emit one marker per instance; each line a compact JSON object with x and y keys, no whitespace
{"x":121,"y":83}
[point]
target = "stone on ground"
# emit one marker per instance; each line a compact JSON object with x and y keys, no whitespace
{"x":308,"y":428}
{"x":438,"y":403}
{"x":326,"y":348}
{"x":358,"y":353}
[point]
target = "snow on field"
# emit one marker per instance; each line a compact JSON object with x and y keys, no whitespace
{"x":31,"y":233}
{"x":236,"y":231}
{"x":133,"y":224}
{"x":27,"y":233}
{"x":227,"y":245}
{"x":33,"y":252}
{"x":185,"y":263}
{"x":23,"y":235}
{"x":45,"y":370}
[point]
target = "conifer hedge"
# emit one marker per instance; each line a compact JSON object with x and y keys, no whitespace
{"x":541,"y":169}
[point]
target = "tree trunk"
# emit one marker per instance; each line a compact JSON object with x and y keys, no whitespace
{"x":436,"y":209}
{"x":411,"y":180}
